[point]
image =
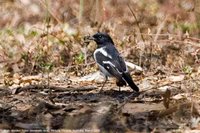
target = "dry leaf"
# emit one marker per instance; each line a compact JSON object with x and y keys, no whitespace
{"x":176,"y":78}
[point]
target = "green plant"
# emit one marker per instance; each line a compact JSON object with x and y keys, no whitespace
{"x":79,"y":59}
{"x":187,"y":69}
{"x":186,"y":27}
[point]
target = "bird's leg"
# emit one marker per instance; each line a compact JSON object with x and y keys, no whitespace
{"x":119,"y":89}
{"x":104,"y":83}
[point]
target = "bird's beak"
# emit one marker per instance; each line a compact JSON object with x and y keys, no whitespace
{"x":87,"y":38}
{"x":91,"y":38}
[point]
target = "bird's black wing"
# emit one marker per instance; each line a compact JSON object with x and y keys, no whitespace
{"x":122,"y":63}
{"x":109,"y":59}
{"x":117,"y":60}
{"x":125,"y":73}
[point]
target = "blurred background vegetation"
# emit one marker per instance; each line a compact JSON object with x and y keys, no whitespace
{"x":40,"y":35}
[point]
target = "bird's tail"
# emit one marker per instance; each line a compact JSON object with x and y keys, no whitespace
{"x":127,"y":77}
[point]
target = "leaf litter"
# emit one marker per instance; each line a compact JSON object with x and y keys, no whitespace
{"x":49,"y":81}
{"x":75,"y":107}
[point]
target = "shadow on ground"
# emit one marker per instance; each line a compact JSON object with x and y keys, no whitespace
{"x":34,"y":108}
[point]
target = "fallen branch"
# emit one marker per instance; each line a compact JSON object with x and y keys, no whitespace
{"x":133,"y":66}
{"x":54,"y":88}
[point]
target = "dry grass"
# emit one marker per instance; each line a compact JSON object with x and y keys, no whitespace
{"x":46,"y":36}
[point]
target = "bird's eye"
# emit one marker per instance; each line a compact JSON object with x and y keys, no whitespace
{"x":100,"y":36}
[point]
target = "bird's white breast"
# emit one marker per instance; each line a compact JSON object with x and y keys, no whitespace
{"x":102,"y":51}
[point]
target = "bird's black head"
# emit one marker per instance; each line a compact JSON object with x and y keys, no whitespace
{"x":102,"y":39}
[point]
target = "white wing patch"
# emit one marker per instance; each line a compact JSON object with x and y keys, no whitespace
{"x":108,"y":62}
{"x":102,"y":50}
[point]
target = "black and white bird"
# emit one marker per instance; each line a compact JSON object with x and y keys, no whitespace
{"x":110,"y":62}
